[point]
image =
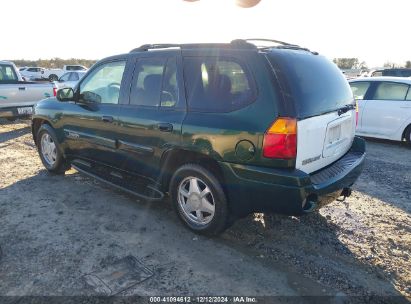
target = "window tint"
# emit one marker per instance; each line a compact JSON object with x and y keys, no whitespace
{"x":359,"y":89}
{"x":408,"y":95}
{"x":7,"y":73}
{"x":103,"y":84}
{"x":73,"y":77}
{"x":391,"y":91}
{"x":376,"y":74}
{"x":406,"y":73}
{"x":169,"y":92}
{"x":315,"y":84}
{"x":217,"y":84}
{"x":147,"y":82}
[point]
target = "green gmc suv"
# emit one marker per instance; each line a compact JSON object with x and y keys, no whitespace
{"x":223,"y":129}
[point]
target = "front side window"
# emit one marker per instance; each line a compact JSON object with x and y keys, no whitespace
{"x":65,"y":77}
{"x":359,"y":89}
{"x":217,"y":84}
{"x":73,"y":76}
{"x":103,"y":84}
{"x":376,"y":74}
{"x":391,"y":91}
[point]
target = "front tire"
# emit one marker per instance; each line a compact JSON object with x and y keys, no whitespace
{"x":50,"y":151}
{"x":407,"y":134}
{"x":53,"y":77}
{"x":199,"y":200}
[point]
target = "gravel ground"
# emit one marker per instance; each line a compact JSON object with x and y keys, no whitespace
{"x":56,"y":229}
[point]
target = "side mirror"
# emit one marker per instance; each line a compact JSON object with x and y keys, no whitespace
{"x":60,"y":80}
{"x":65,"y":94}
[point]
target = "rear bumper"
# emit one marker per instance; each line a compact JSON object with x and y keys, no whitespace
{"x":260,"y":189}
{"x":11,"y":112}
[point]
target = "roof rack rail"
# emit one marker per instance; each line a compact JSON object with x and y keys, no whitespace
{"x":146,"y":47}
{"x":240,"y":43}
{"x":283,"y":45}
{"x":269,"y":40}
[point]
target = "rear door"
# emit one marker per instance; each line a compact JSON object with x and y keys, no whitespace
{"x":152,"y":117}
{"x":386,"y":110}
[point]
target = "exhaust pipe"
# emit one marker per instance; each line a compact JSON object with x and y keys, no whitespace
{"x":346,"y":192}
{"x":310,"y":204}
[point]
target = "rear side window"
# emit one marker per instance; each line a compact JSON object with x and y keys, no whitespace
{"x":391,"y":91}
{"x":315,"y":85}
{"x":406,"y":73}
{"x":146,"y":87}
{"x":7,"y":73}
{"x":217,"y":84}
{"x":359,"y":89}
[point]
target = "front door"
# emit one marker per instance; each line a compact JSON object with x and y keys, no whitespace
{"x":91,"y":124}
{"x":151,"y":120}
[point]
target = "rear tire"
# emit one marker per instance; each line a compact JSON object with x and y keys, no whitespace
{"x":199,"y":200}
{"x":49,"y":150}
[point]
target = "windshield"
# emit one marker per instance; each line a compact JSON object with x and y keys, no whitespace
{"x":316,"y":85}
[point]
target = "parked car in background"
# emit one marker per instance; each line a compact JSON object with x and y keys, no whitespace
{"x":39,"y":73}
{"x":69,"y":79}
{"x":17,"y":97}
{"x":384,"y":107}
{"x":243,"y":129}
{"x":55,"y":74}
{"x":398,"y":72}
{"x":32,"y":73}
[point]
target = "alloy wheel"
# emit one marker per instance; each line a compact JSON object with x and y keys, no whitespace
{"x":196,"y":200}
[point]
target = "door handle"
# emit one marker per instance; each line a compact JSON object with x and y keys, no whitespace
{"x":22,"y":88}
{"x":165,"y":127}
{"x":107,"y":119}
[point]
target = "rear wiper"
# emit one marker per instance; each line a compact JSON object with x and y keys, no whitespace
{"x":345,"y":109}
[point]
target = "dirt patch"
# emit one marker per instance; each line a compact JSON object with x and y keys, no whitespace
{"x":56,"y":229}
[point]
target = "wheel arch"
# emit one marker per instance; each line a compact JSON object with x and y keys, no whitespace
{"x":175,"y":158}
{"x":35,"y":126}
{"x":404,"y":133}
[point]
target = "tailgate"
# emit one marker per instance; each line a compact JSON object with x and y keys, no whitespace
{"x":323,"y":139}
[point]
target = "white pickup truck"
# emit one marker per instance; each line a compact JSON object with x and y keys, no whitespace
{"x":17,"y":97}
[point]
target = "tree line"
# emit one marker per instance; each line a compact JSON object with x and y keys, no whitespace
{"x":355,"y":63}
{"x":54,"y":63}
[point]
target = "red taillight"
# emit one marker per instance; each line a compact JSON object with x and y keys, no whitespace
{"x":280,"y":140}
{"x":54,"y":92}
{"x":356,"y":113}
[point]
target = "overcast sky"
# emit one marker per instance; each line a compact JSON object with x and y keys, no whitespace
{"x":375,"y":31}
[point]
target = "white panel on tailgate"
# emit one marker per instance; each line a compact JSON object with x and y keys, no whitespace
{"x":323,"y":139}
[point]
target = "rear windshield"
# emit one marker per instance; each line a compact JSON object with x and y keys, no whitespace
{"x":7,"y":73}
{"x":314,"y":84}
